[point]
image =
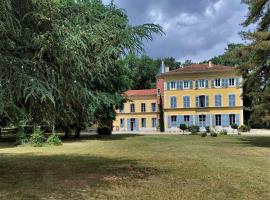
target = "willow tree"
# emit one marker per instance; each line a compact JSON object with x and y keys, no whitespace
{"x":58,"y":60}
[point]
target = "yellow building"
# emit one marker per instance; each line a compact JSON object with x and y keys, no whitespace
{"x":205,"y":95}
{"x":139,"y":113}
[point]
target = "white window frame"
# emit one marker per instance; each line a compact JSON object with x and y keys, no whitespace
{"x":215,"y":83}
{"x":173,"y":123}
{"x":185,"y":102}
{"x":173,"y":85}
{"x":154,"y":119}
{"x":132,"y":110}
{"x":186,"y":121}
{"x":143,"y":119}
{"x":220,"y":120}
{"x":186,"y":86}
{"x":155,"y":110}
{"x":203,"y":95}
{"x":234,"y":117}
{"x":122,"y":120}
{"x":143,"y":107}
{"x":200,"y":83}
{"x":234,"y":82}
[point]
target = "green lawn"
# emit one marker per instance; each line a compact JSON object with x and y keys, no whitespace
{"x":139,"y":167}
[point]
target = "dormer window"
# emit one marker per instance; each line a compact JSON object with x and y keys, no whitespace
{"x":173,"y":85}
{"x":186,"y":85}
{"x":217,"y":83}
{"x":231,"y":82}
{"x":201,"y":83}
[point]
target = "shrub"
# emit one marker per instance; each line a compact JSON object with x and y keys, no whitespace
{"x":183,"y":127}
{"x":37,"y":138}
{"x":223,"y":132}
{"x":234,"y":126}
{"x":244,"y":128}
{"x":104,"y":130}
{"x":214,"y":134}
{"x":21,"y":137}
{"x":194,"y":129}
{"x":54,"y":140}
{"x":204,"y":134}
{"x":207,"y":129}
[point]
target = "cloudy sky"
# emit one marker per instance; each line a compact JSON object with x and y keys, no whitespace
{"x":195,"y":29}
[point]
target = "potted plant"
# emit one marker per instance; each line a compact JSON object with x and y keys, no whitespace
{"x":183,"y":127}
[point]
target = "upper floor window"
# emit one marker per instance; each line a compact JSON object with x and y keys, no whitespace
{"x":173,"y":85}
{"x":173,"y":102}
{"x":173,"y":120}
{"x":232,"y":100}
{"x":217,"y":83}
{"x":132,"y":107}
{"x":202,"y":101}
{"x":201,"y":84}
{"x":153,"y":107}
{"x":143,"y":107}
{"x":231,"y":82}
{"x":186,"y":101}
{"x":218,"y":100}
{"x":186,"y":84}
{"x":121,"y":109}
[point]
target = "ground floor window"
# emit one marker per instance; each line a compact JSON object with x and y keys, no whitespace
{"x":154,"y":122}
{"x":173,"y":120}
{"x":202,"y":120}
{"x":232,"y":119}
{"x":122,"y":123}
{"x":218,"y":120}
{"x":186,"y":119}
{"x":143,"y":123}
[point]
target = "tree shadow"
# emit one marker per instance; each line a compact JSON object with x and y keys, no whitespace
{"x":65,"y":176}
{"x":259,"y":141}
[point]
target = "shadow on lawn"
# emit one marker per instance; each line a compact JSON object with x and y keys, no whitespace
{"x":65,"y":176}
{"x":259,"y":141}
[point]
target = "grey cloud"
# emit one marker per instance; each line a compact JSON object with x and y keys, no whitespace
{"x":195,"y":29}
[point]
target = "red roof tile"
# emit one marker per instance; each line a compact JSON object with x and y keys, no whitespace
{"x":140,"y":92}
{"x":197,"y":68}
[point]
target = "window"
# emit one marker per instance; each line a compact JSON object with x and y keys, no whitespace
{"x":173,"y":85}
{"x":132,"y":107}
{"x":173,"y":102}
{"x":232,"y":119}
{"x":186,"y":85}
{"x":202,"y":101}
{"x":122,"y":123}
{"x":158,"y":92}
{"x":153,"y":107}
{"x":154,"y":122}
{"x":173,"y":120}
{"x":202,"y":120}
{"x":218,"y":120}
{"x":231,"y":82}
{"x":201,"y":83}
{"x":143,"y":122}
{"x":186,"y":101}
{"x":143,"y":107}
{"x":218,"y":100}
{"x":217,"y":83}
{"x":121,"y":109}
{"x":232,"y":100}
{"x":186,"y":119}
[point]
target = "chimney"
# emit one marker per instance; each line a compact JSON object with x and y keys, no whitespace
{"x":210,"y":64}
{"x":162,"y":67}
{"x":167,"y":69}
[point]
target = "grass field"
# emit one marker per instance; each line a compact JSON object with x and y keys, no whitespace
{"x":139,"y":167}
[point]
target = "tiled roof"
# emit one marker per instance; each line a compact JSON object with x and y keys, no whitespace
{"x":140,"y":92}
{"x":197,"y":68}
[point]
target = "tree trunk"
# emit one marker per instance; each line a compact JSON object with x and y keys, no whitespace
{"x":67,"y":131}
{"x":77,"y":132}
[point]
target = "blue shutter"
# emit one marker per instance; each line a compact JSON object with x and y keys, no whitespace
{"x":237,"y":119}
{"x":169,"y":121}
{"x":188,"y":102}
{"x":136,"y":124}
{"x":123,"y":126}
{"x":206,"y":83}
{"x":220,"y":100}
{"x":197,"y":120}
{"x":178,"y":85}
{"x":181,"y":85}
{"x":190,"y":120}
{"x":232,"y":99}
{"x":207,"y":120}
{"x":197,"y":84}
{"x":128,"y":125}
{"x":207,"y":101}
{"x":226,"y":120}
{"x":175,"y":102}
{"x":197,"y":102}
{"x":171,"y":102}
{"x":191,"y":84}
{"x":216,"y":100}
{"x":237,"y":80}
{"x":223,"y":120}
{"x":213,"y":121}
{"x":225,"y":83}
{"x":168,"y":85}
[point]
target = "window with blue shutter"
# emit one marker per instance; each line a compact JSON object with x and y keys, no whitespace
{"x":186,"y":102}
{"x":197,"y":102}
{"x":173,"y":102}
{"x":237,"y":81}
{"x":225,"y":120}
{"x":218,"y":100}
{"x":169,"y":121}
{"x":225,"y":83}
{"x":206,"y":101}
{"x":197,"y":122}
{"x":207,"y":120}
{"x":237,"y":119}
{"x":206,"y":83}
{"x":122,"y":123}
{"x":191,"y":84}
{"x":190,"y":120}
{"x":213,"y":121}
{"x":179,"y":85}
{"x":212,"y":83}
{"x":168,"y":85}
{"x":173,"y":85}
{"x":232,"y":99}
{"x":197,"y":84}
{"x":128,"y":124}
{"x":180,"y":120}
{"x":136,"y":125}
{"x":154,"y":122}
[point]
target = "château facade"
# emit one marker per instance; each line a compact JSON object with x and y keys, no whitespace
{"x":205,"y":95}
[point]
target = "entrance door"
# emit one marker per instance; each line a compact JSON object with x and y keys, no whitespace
{"x":132,"y":124}
{"x":202,"y":120}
